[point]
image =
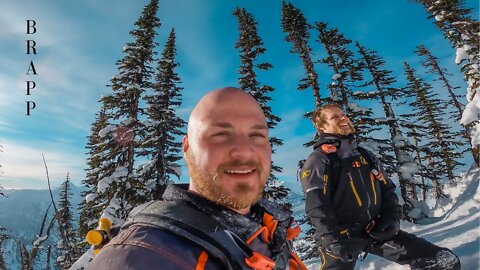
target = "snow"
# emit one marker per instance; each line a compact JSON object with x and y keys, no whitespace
{"x":103,"y":184}
{"x":471,"y":111}
{"x":102,"y":133}
{"x":356,"y":108}
{"x":457,"y":229}
{"x":90,"y":197}
{"x":39,"y":240}
{"x":336,"y":76}
{"x":470,"y":114}
{"x":439,"y":17}
{"x":408,"y":170}
{"x":462,"y":54}
{"x":128,"y":121}
{"x":83,"y":261}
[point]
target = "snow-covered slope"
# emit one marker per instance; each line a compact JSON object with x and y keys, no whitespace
{"x":457,"y":229}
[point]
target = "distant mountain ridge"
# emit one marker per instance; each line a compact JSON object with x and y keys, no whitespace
{"x":21,"y":213}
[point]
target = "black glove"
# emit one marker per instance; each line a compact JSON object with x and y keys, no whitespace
{"x":345,"y":249}
{"x":385,"y":229}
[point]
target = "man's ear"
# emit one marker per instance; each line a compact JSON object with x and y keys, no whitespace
{"x":185,"y":143}
{"x":320,"y":128}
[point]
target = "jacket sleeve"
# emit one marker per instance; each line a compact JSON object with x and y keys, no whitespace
{"x":316,"y":187}
{"x":148,"y":248}
{"x":391,"y":208}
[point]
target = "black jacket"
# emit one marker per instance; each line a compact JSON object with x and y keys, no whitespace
{"x":140,"y":246}
{"x":341,"y":191}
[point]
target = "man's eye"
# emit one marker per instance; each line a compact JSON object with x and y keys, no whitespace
{"x":258,"y":135}
{"x":220,"y":134}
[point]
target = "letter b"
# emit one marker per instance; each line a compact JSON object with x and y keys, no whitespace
{"x":31,"y":25}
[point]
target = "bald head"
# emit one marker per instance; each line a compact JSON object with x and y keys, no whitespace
{"x":227,"y":149}
{"x":216,"y":102}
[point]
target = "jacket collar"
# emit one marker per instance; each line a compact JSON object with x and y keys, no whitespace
{"x":346,"y":144}
{"x":241,"y":225}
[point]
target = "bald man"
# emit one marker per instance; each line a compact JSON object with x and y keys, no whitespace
{"x":219,"y":220}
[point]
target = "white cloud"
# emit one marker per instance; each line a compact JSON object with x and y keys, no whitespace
{"x":23,"y":167}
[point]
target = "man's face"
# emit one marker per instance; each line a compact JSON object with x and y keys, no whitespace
{"x":229,"y":155}
{"x":337,"y":122}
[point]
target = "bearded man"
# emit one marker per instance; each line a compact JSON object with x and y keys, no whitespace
{"x":352,"y":204}
{"x":219,"y":220}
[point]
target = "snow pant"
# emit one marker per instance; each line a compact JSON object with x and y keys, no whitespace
{"x":404,"y":248}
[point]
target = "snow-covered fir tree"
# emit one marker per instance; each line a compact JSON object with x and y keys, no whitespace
{"x":384,"y":92}
{"x":455,"y":20}
{"x":163,"y":128}
{"x":251,"y":47}
{"x":29,"y":258}
{"x":297,"y":28}
{"x":122,"y":189}
{"x":99,"y":165}
{"x":432,"y":64}
{"x":67,"y":252}
{"x":347,"y":73}
{"x":439,"y":143}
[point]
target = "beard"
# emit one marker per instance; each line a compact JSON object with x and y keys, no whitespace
{"x":349,"y":131}
{"x":210,"y":186}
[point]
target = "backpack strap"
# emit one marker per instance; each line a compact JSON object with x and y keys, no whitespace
{"x":333,"y":166}
{"x":370,"y":158}
{"x":193,"y":225}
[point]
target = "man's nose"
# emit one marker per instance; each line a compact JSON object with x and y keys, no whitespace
{"x":242,"y":148}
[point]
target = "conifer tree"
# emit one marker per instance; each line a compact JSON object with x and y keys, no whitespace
{"x":432,"y":64}
{"x":458,"y":26}
{"x":28,"y":258}
{"x":251,"y":47}
{"x":163,"y":127}
{"x":67,"y":252}
{"x":297,"y":28}
{"x":439,"y":142}
{"x":3,"y":236}
{"x":347,"y":72}
{"x":99,"y":164}
{"x":415,"y":138}
{"x":122,"y":190}
{"x":384,"y":93}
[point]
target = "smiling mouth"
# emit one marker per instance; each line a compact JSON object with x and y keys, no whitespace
{"x":239,"y":171}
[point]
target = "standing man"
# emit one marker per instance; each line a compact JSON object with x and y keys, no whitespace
{"x":219,"y":220}
{"x":352,"y":203}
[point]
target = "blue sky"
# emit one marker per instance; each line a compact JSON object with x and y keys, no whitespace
{"x":78,"y":43}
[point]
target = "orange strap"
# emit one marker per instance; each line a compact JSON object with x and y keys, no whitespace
{"x":254,"y":235}
{"x":260,"y":262}
{"x":202,"y":261}
{"x":293,"y":232}
{"x":271,"y":224}
{"x":296,"y":263}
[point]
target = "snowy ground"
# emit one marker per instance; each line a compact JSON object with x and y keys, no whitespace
{"x":457,"y":229}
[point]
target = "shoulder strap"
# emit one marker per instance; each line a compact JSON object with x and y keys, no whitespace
{"x":195,"y":226}
{"x":369,"y":156}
